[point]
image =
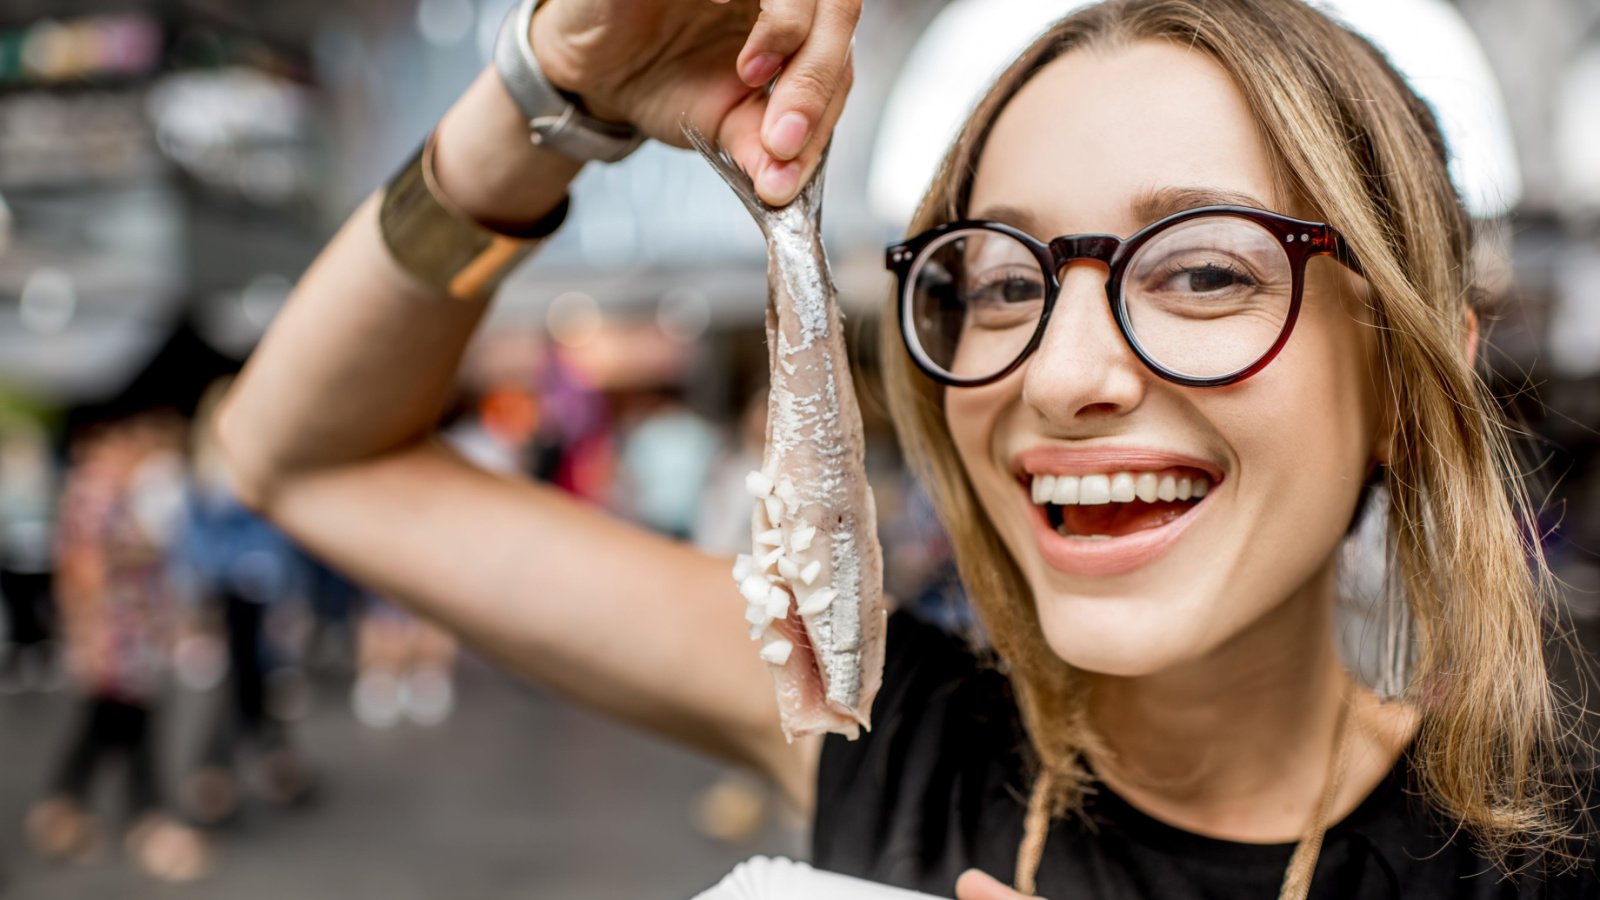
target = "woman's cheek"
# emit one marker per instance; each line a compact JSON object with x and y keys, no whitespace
{"x":974,"y":416}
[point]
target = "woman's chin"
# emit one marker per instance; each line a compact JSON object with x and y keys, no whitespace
{"x":1120,"y":637}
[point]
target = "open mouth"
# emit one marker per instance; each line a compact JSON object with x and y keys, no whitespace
{"x":1109,"y":505}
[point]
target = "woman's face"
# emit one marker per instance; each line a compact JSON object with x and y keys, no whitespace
{"x":1093,"y":144}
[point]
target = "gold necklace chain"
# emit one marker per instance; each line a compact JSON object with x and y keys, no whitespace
{"x":1303,"y":864}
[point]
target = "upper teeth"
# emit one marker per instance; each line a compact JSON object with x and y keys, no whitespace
{"x":1116,"y":487}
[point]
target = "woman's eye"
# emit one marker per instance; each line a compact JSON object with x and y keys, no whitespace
{"x":1208,"y":279}
{"x":1006,"y":289}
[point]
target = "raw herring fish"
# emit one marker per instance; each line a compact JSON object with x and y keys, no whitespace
{"x":813,"y":585}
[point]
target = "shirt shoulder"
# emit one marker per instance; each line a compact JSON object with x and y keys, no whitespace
{"x":1401,"y":840}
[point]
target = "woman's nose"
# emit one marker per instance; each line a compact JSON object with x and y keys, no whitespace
{"x":1083,"y":367}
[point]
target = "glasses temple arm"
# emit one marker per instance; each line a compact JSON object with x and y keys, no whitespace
{"x":1340,"y":249}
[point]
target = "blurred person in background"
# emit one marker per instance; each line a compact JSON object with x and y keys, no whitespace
{"x":666,"y":453}
{"x":1181,"y":690}
{"x":405,"y":668}
{"x":119,"y":510}
{"x":497,"y":427}
{"x":722,"y":525}
{"x":239,"y":568}
{"x":574,"y":442}
{"x":28,"y":657}
{"x":735,"y":806}
{"x":331,"y":644}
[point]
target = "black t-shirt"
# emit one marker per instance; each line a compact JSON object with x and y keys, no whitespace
{"x":939,"y":786}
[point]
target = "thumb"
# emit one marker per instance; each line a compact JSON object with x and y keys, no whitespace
{"x":976,"y":885}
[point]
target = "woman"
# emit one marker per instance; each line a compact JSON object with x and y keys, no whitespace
{"x":237,"y":567}
{"x":1289,"y":331}
{"x":117,"y":607}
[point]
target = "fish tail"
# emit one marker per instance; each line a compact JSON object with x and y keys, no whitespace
{"x":734,"y":174}
{"x":809,"y":198}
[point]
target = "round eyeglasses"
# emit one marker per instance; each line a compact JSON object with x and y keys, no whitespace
{"x":1204,"y":297}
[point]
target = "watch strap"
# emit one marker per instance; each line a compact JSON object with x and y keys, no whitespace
{"x":555,"y":120}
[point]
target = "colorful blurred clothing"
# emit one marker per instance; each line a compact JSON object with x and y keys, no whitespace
{"x":116,"y":600}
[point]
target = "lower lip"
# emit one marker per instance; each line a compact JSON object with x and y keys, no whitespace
{"x":1108,"y":556}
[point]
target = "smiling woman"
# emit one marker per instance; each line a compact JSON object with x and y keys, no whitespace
{"x":1191,"y":288}
{"x":1182,"y":653}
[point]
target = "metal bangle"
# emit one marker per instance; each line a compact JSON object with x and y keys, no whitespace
{"x":431,"y":238}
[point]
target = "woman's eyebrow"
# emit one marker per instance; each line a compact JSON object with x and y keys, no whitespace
{"x":1147,"y":206}
{"x":1014,"y":216}
{"x":1158,"y":203}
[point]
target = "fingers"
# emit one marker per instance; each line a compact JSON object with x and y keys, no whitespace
{"x":740,"y":135}
{"x":782,"y":179}
{"x":777,"y":181}
{"x":779,"y":31}
{"x":780,"y":138}
{"x":976,"y":885}
{"x":816,"y":73}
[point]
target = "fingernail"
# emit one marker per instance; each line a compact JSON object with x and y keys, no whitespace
{"x":760,"y":69}
{"x":780,"y":180}
{"x":788,"y":135}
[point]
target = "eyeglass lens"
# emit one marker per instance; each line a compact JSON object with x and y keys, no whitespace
{"x":1204,"y":298}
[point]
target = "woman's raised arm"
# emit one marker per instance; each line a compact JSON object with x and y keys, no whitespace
{"x":329,"y":430}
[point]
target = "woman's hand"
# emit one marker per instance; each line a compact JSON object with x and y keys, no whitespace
{"x":976,"y":885}
{"x":657,"y":63}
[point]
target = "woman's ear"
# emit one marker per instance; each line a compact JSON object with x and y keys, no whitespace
{"x":1470,"y":337}
{"x":1383,"y":440}
{"x":1388,"y":416}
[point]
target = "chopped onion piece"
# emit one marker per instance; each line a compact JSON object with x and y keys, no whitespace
{"x":788,"y":568}
{"x":790,"y":497}
{"x":776,"y":651}
{"x":744,"y":565}
{"x":778,"y":604}
{"x":759,"y":484}
{"x":811,"y":571}
{"x":771,"y":559}
{"x":755,"y":589}
{"x":800,"y":538}
{"x":756,"y":615}
{"x":819,"y":601}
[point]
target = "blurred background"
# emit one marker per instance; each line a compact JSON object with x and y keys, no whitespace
{"x":185,"y":694}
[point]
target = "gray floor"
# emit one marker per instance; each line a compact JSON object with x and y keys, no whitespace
{"x":518,"y":796}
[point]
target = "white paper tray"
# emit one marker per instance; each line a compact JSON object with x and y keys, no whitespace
{"x":776,"y":878}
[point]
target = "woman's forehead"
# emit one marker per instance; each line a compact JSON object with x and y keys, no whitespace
{"x":1109,"y":138}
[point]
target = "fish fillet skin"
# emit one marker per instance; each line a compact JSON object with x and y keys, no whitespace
{"x":814,"y":527}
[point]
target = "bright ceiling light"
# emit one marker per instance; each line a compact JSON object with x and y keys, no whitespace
{"x":49,"y":300}
{"x":971,"y":41}
{"x":1430,"y":43}
{"x":1577,"y":132}
{"x":959,"y":55}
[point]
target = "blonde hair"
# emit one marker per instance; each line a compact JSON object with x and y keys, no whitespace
{"x":1348,"y":136}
